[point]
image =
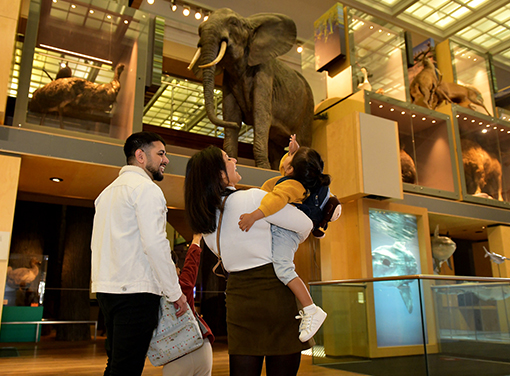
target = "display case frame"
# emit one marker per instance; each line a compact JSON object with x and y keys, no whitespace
{"x":470,"y":125}
{"x":382,"y":53}
{"x":124,"y":32}
{"x":443,"y":146}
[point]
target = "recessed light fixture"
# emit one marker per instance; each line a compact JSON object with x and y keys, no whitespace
{"x":56,"y":180}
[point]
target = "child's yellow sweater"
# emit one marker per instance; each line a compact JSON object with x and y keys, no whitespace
{"x":288,"y":191}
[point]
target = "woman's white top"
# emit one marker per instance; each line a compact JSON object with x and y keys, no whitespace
{"x":246,"y":250}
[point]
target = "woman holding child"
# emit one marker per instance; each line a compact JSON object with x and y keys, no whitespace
{"x":261,"y":310}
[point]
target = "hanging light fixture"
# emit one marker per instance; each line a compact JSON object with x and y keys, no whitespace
{"x":186,"y":10}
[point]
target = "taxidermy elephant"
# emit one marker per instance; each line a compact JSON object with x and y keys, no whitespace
{"x":258,"y":89}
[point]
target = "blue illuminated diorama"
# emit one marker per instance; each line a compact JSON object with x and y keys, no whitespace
{"x":395,"y":252}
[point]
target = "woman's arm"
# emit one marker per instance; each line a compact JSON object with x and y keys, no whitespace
{"x":293,"y":219}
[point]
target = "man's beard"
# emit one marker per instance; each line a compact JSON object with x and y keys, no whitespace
{"x":156,"y":174}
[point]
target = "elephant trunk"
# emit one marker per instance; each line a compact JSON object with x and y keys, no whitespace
{"x":208,"y":81}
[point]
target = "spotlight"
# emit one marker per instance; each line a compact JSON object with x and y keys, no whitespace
{"x":206,"y":17}
{"x":56,"y":180}
{"x":150,"y":2}
{"x":198,"y":14}
{"x":299,"y":49}
{"x":186,"y":11}
{"x":173,"y":6}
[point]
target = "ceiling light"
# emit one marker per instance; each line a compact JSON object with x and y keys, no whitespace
{"x":150,"y":2}
{"x":173,"y":6}
{"x":126,"y":22}
{"x":75,"y":53}
{"x":73,"y":6}
{"x":299,"y":49}
{"x":206,"y":17}
{"x":56,"y":180}
{"x":91,"y":11}
{"x":198,"y":15}
{"x":186,"y":11}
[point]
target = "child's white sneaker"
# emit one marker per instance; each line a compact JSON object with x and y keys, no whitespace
{"x":310,"y":323}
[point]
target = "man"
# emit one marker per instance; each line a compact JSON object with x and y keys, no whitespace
{"x":131,"y":257}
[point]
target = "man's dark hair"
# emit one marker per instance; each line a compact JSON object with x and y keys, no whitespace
{"x":139,"y":141}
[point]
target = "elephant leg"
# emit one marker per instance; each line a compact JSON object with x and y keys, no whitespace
{"x":231,"y":112}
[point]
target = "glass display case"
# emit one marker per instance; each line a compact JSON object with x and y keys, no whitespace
{"x":82,"y":67}
{"x":377,"y":55}
{"x":427,"y":152}
{"x":26,"y":280}
{"x":464,"y":322}
{"x":483,"y":156}
{"x":471,"y":69}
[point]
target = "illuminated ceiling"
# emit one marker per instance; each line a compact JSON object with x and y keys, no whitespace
{"x":483,"y":25}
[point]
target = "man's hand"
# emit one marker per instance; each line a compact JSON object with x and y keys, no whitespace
{"x":180,"y":306}
{"x":293,"y":145}
{"x":247,"y":220}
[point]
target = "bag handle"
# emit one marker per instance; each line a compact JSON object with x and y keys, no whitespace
{"x":223,"y":273}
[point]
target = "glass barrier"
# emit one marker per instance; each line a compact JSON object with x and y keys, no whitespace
{"x":427,"y":152}
{"x":459,"y":326}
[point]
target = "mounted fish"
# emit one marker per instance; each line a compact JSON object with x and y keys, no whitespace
{"x":442,"y":249}
{"x":495,"y":258}
{"x":396,"y":260}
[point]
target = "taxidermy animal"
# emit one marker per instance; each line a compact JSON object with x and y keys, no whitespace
{"x":407,"y":167}
{"x":258,"y":89}
{"x":482,"y":171}
{"x":495,"y":258}
{"x":395,"y":260}
{"x":463,"y":95}
{"x":21,"y":277}
{"x":425,"y":83}
{"x":365,"y":85}
{"x":442,"y":249}
{"x":79,"y":93}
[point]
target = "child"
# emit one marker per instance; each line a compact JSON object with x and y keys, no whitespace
{"x":302,"y":169}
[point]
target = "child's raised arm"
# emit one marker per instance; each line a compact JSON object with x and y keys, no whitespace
{"x":293,"y":145}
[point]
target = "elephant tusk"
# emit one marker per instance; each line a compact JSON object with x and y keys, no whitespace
{"x":223,"y":48}
{"x":195,"y":58}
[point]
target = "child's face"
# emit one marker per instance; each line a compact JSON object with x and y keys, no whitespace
{"x":287,"y":168}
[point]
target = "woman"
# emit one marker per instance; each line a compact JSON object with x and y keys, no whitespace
{"x":200,"y":361}
{"x":260,"y":308}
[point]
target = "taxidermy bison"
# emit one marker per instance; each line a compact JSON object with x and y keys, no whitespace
{"x":76,"y":93}
{"x":482,"y":171}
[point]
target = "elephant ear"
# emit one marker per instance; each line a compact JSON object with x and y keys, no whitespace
{"x":273,"y":35}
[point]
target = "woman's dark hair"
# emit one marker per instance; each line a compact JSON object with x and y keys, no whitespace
{"x":139,"y":141}
{"x":308,"y":166}
{"x":204,"y":188}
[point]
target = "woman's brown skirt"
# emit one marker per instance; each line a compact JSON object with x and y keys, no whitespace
{"x":261,"y":314}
